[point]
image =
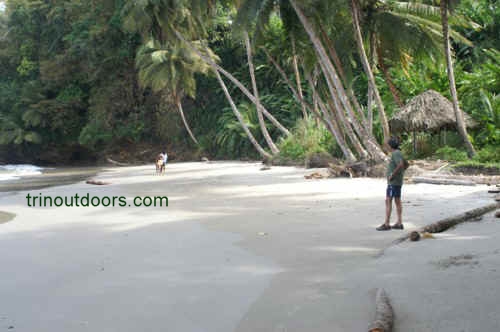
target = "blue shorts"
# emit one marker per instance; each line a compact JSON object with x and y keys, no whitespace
{"x":393,"y":191}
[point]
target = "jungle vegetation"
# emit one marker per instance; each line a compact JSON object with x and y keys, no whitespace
{"x":243,"y":78}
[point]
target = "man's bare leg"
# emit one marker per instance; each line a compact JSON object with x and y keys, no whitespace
{"x":388,"y":210}
{"x":399,"y":210}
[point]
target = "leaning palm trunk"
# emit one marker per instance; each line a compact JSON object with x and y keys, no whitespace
{"x":337,"y":92}
{"x":368,"y":70}
{"x":258,"y":106}
{"x":298,"y":96}
{"x":338,"y":64}
{"x":327,"y":119}
{"x":348,"y":130}
{"x":369,"y":112}
{"x":335,"y":130}
{"x":388,"y":79}
{"x":369,"y":105}
{"x":236,"y":82}
{"x":297,"y":75}
{"x":238,"y":115}
{"x":186,"y":125}
{"x":451,"y":77}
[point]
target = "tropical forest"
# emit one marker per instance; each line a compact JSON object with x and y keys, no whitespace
{"x":279,"y":80}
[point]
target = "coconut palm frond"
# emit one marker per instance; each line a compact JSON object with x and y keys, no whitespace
{"x":435,"y":26}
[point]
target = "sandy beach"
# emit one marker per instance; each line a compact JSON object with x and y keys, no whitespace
{"x":239,"y":249}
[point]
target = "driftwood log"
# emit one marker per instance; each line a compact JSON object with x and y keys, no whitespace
{"x":444,"y":224}
{"x":98,"y":183}
{"x":477,"y":179}
{"x":494,"y":191}
{"x":116,"y":163}
{"x":442,"y":180}
{"x":414,"y":236}
{"x":384,"y":316}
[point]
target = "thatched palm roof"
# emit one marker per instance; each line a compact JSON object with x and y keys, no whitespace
{"x":429,"y":111}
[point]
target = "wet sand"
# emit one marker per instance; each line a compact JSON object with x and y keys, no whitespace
{"x":50,"y":177}
{"x":6,"y":217}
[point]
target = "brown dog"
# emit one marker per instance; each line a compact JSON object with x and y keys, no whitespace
{"x":160,"y":166}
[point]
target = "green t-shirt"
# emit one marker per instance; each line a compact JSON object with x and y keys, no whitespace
{"x":396,"y":159}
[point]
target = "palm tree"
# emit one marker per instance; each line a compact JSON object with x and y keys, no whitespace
{"x":181,"y":24}
{"x":337,"y":91}
{"x":368,"y":70}
{"x":258,"y":105}
{"x":444,"y":7}
{"x":240,"y":117}
{"x":170,"y":70}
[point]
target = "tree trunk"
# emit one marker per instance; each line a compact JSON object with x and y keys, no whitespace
{"x":384,"y":314}
{"x":369,"y":105}
{"x":343,"y":77}
{"x":186,"y":125}
{"x":451,"y":77}
{"x":349,"y":131}
{"x":388,"y":79}
{"x":315,"y":96}
{"x":331,"y":125}
{"x":238,"y":115}
{"x":338,"y":92}
{"x":369,"y":112}
{"x":368,"y":70}
{"x":258,"y":105}
{"x":236,"y":82}
{"x":326,"y":119}
{"x":297,"y":76}
{"x":296,"y":94}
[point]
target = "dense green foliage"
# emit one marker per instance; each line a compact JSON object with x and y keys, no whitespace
{"x":81,"y":78}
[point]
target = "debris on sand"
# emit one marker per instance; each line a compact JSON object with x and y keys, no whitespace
{"x":460,"y":260}
{"x":416,"y":236}
{"x":317,"y":175}
{"x":98,"y":183}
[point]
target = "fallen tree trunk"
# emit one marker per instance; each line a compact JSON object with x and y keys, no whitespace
{"x":493,"y":179}
{"x":384,"y":316}
{"x":444,"y":224}
{"x":443,"y":181}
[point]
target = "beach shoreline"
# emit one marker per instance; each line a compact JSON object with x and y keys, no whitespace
{"x":50,"y":177}
{"x":237,"y":249}
{"x":5,"y":217}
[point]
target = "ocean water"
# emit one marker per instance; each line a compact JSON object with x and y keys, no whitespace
{"x":16,"y":172}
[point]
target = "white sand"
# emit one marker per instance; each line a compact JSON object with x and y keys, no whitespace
{"x":240,"y":249}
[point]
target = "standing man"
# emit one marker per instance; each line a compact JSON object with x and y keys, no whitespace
{"x":395,"y":173}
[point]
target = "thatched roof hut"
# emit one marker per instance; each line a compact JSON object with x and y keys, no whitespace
{"x":429,"y":111}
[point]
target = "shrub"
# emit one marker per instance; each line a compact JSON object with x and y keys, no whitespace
{"x":450,"y":154}
{"x":488,"y":154}
{"x":306,"y":139}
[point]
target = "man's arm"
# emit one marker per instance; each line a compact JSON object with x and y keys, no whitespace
{"x":396,"y":170}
